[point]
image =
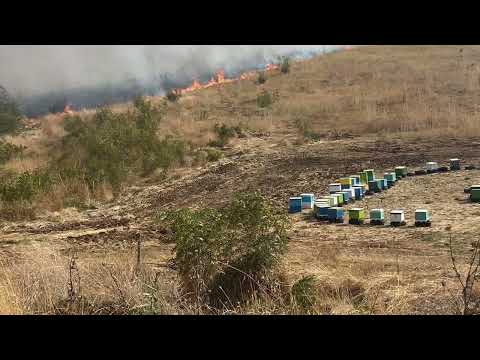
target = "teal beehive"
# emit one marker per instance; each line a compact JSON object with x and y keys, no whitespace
{"x":307,"y":201}
{"x":335,"y":214}
{"x":295,"y":205}
{"x":422,"y":218}
{"x":377,"y":217}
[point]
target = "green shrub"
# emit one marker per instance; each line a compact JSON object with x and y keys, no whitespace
{"x":111,"y":146}
{"x":304,"y":293}
{"x":214,"y":155}
{"x":304,"y":128}
{"x":23,"y":187}
{"x":264,"y":99}
{"x":9,"y":113}
{"x":173,"y":96}
{"x":224,"y":255}
{"x":285,"y":65}
{"x":223,"y":133}
{"x":8,"y":151}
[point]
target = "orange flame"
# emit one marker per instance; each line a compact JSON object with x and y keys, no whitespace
{"x":220,"y":78}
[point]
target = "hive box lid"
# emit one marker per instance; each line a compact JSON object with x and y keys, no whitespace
{"x":307,"y":194}
{"x":296,"y":198}
{"x":397,"y":211}
{"x":357,"y":209}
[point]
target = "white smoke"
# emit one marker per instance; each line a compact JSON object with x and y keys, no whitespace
{"x":29,"y":70}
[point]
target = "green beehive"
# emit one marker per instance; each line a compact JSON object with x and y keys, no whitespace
{"x":340,"y":199}
{"x":333,"y":200}
{"x":373,"y":186}
{"x":363,"y":178}
{"x":390,"y":176}
{"x":370,"y":174}
{"x":401,"y":171}
{"x":356,"y":216}
{"x":475,"y":194}
{"x":422,"y":217}
{"x":380,"y":184}
{"x":377,"y":217}
{"x":328,"y":199}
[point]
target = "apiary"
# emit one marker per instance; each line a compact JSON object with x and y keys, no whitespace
{"x":346,"y":182}
{"x":346,"y":196}
{"x":454,"y":164}
{"x":355,"y":180}
{"x":363,"y":178}
{"x":422,"y":218}
{"x":335,"y":187}
{"x":358,"y":192}
{"x":383,"y":184}
{"x":340,"y":199}
{"x":295,"y":205}
{"x":333,"y":200}
{"x":401,"y":171}
{"x":397,"y":218}
{"x":356,"y":216}
{"x":377,"y":217}
{"x":307,"y":201}
{"x":475,"y":194}
{"x":336,"y":215}
{"x":432,"y":167}
{"x":321,"y":211}
{"x":370,"y":174}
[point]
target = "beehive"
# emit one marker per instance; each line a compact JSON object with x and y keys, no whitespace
{"x":340,"y":199}
{"x":363,"y":178}
{"x":333,"y":188}
{"x":390,"y":176}
{"x":358,"y":192}
{"x":356,"y":216}
{"x":432,"y":166}
{"x":373,"y":186}
{"x":377,"y":216}
{"x":355,"y":180}
{"x":370,"y":174}
{"x":397,"y":217}
{"x":346,"y":196}
{"x":295,"y":205}
{"x":475,"y":194}
{"x":346,"y":182}
{"x":352,"y":193}
{"x":383,"y":184}
{"x":400,"y":172}
{"x":327,"y":199}
{"x":454,"y":164}
{"x":307,"y":201}
{"x":333,"y":200}
{"x":335,"y":214}
{"x":321,"y":212}
{"x":422,"y":217}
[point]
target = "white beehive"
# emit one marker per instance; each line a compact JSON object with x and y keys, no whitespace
{"x":397,"y":216}
{"x":432,"y":166}
{"x":333,"y":188}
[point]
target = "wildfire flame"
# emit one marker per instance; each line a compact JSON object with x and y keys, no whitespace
{"x":220,"y":78}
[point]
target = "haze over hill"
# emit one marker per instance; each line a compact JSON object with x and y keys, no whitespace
{"x":92,"y":75}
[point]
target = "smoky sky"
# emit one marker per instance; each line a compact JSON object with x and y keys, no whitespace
{"x":36,"y":69}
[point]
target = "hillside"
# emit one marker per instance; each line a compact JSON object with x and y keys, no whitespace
{"x":371,"y":107}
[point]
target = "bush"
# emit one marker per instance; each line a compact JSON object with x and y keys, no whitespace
{"x":9,"y":113}
{"x":225,"y":255}
{"x":304,"y":128}
{"x":262,"y":78}
{"x":224,"y":133}
{"x":285,"y":65}
{"x":23,"y":187}
{"x":304,"y":293}
{"x":8,"y":151}
{"x":173,"y":96}
{"x":111,"y":146}
{"x":264,"y":99}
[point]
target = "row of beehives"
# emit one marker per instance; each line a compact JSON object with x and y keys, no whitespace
{"x":355,"y":187}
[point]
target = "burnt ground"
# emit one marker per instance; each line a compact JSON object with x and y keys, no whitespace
{"x":403,"y":266}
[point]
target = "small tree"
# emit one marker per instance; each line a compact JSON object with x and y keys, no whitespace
{"x":285,"y":65}
{"x":9,"y":113}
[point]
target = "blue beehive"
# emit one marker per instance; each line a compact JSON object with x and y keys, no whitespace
{"x":384,"y":184}
{"x":295,"y":205}
{"x":336,"y":214}
{"x":307,"y":201}
{"x":355,"y":179}
{"x":322,"y":212}
{"x":373,"y":186}
{"x":358,"y":192}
